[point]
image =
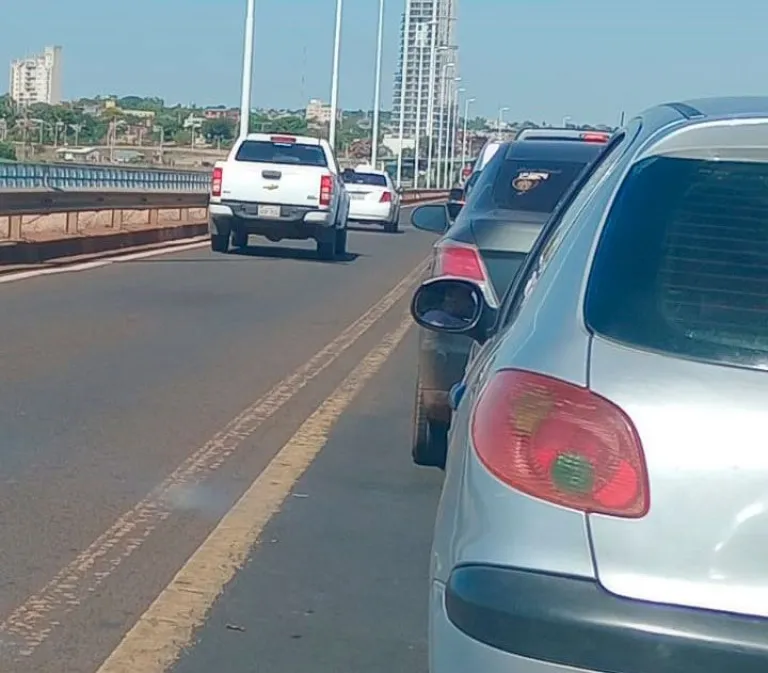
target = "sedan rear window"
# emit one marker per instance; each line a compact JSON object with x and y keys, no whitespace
{"x":364,"y":179}
{"x":682,"y":264}
{"x":528,"y":186}
{"x":265,"y":152}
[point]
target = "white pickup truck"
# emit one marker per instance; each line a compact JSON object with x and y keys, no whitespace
{"x":281,"y":187}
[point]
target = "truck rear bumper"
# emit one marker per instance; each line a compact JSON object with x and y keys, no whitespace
{"x":294,"y":222}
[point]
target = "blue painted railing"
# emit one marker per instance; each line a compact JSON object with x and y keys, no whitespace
{"x":19,"y":176}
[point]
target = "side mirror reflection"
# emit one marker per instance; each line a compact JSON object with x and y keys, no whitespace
{"x":452,"y":306}
{"x":432,"y":218}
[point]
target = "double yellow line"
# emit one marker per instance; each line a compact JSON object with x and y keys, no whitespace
{"x":155,"y":641}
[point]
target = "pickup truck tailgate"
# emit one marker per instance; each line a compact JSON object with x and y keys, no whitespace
{"x":291,"y":174}
{"x":264,"y":183}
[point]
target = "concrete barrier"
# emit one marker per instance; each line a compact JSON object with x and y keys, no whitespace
{"x":41,"y":225}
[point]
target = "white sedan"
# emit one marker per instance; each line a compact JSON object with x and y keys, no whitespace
{"x":373,"y":197}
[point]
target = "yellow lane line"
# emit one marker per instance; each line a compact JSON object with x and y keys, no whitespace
{"x":167,"y":627}
{"x":32,"y":622}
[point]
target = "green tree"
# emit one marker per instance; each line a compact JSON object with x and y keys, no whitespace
{"x":294,"y":124}
{"x":7,"y":152}
{"x":222,"y":130}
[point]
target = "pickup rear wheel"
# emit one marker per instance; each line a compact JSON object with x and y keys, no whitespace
{"x":326,"y":249}
{"x":219,"y":243}
{"x":341,"y":241}
{"x":239,"y":239}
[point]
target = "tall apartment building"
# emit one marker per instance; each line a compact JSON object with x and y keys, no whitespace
{"x":37,"y":79}
{"x":429,"y":20}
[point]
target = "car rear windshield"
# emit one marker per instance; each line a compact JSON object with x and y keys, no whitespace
{"x":682,"y":264}
{"x":265,"y":152}
{"x":365,"y":179}
{"x":528,"y":186}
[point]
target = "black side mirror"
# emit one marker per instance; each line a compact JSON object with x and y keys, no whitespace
{"x":432,"y":218}
{"x":456,"y":194}
{"x":453,"y":306}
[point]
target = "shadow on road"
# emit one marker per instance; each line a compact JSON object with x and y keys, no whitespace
{"x":302,"y":254}
{"x":363,"y":229}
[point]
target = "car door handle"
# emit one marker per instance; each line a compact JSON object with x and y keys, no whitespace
{"x":456,"y":394}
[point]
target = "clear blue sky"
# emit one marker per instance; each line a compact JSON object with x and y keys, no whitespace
{"x":587,"y":59}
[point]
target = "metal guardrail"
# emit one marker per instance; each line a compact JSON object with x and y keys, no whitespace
{"x":41,"y":201}
{"x":22,"y":176}
{"x":38,"y":202}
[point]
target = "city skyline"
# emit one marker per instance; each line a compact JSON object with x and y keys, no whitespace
{"x":428,"y":46}
{"x":37,"y":78}
{"x":545,"y":61}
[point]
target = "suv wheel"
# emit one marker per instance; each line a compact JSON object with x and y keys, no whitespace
{"x":430,"y":438}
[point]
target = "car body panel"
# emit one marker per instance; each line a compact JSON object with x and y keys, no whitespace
{"x":503,"y":238}
{"x":700,"y":545}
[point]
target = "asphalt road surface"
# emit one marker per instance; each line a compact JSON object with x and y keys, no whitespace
{"x":205,"y":464}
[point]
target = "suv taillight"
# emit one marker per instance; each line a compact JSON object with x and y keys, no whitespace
{"x":386,"y":197}
{"x":461,"y":261}
{"x":216,"y":179}
{"x":561,"y":443}
{"x":595,"y":137}
{"x":326,"y":190}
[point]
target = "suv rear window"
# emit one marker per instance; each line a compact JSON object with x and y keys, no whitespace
{"x":682,"y":264}
{"x":528,"y":186}
{"x":364,"y":179}
{"x":264,"y":152}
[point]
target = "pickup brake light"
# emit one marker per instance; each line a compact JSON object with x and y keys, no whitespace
{"x":216,"y":180}
{"x":283,"y":140}
{"x":326,"y":190}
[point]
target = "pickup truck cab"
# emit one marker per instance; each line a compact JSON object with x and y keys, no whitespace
{"x":281,"y":187}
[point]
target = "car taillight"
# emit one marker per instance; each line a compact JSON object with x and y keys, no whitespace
{"x":326,"y":190}
{"x":216,"y":179}
{"x":561,"y":443}
{"x":283,"y":140}
{"x":595,"y":137}
{"x":460,"y":260}
{"x":386,"y":197}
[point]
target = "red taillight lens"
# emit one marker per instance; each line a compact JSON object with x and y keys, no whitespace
{"x":216,"y":179}
{"x":283,"y":140}
{"x":595,"y":137}
{"x":326,"y":190}
{"x":460,"y":260}
{"x":386,"y":197}
{"x":561,"y":443}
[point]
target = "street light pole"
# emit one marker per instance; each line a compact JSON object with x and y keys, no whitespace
{"x":431,"y":102}
{"x":464,"y":132}
{"x":335,"y":77}
{"x":450,"y":98}
{"x":441,"y":123}
{"x":419,"y":86}
{"x":377,"y":88}
{"x":403,"y":90}
{"x":454,"y":134}
{"x":502,"y":110}
{"x":245,"y":90}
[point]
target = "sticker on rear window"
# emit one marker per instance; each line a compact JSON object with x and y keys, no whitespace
{"x":528,"y":180}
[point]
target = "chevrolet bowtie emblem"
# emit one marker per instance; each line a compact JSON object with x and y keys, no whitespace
{"x":270,"y":187}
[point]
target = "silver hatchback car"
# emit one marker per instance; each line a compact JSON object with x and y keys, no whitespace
{"x":605,"y":505}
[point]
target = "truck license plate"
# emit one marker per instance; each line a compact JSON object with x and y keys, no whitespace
{"x":269,"y":211}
